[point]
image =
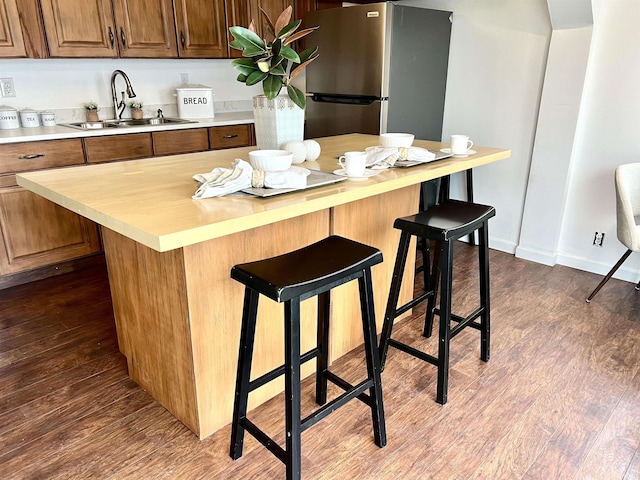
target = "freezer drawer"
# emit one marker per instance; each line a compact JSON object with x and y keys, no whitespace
{"x":324,"y":119}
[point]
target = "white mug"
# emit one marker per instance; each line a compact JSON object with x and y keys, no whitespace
{"x":460,"y":144}
{"x":353,"y":163}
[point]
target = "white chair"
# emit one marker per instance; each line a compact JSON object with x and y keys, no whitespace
{"x":627,"y":181}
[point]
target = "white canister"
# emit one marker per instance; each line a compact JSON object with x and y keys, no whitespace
{"x":8,"y":118}
{"x":195,"y":101}
{"x":48,"y":119}
{"x":29,"y":118}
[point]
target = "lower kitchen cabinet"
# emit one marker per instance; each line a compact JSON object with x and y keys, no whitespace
{"x":37,"y":232}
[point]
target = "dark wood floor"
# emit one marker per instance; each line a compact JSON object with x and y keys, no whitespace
{"x":560,"y":398}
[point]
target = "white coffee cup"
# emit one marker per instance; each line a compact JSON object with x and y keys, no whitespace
{"x":353,"y":163}
{"x":460,"y":144}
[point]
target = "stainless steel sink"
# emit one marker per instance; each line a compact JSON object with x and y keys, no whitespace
{"x":124,"y":123}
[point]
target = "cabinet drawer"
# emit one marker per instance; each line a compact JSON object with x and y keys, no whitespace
{"x":230,"y":136}
{"x":25,"y":156}
{"x":180,"y":141}
{"x":118,"y":147}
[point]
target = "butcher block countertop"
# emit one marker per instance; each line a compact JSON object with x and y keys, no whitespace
{"x":150,"y":200}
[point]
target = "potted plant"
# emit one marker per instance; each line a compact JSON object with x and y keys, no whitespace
{"x":91,"y":109}
{"x":279,"y":116}
{"x":136,"y":109}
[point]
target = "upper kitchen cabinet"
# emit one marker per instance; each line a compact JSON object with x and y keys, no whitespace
{"x":201,"y":28}
{"x":11,"y":39}
{"x":110,"y":28}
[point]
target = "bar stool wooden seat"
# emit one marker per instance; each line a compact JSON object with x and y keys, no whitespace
{"x":443,"y":223}
{"x":292,"y":278}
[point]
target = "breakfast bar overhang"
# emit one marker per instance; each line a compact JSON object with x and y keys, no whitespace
{"x":168,"y":256}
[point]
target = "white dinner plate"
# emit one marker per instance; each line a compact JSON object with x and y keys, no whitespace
{"x":458,"y":155}
{"x":367,"y":174}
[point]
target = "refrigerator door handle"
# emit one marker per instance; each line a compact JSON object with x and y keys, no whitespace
{"x":346,"y":99}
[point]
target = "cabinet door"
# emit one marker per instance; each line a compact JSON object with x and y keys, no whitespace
{"x":79,"y":28}
{"x":37,"y":232}
{"x":201,"y":29}
{"x":237,"y":12}
{"x":11,"y":40}
{"x":146,"y":28}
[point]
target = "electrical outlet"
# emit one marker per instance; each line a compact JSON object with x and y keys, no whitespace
{"x":598,"y":239}
{"x":6,"y":85}
{"x":184,"y":79}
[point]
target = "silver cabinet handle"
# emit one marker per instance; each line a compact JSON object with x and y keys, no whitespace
{"x":123,"y":38}
{"x":31,"y":155}
{"x":111,"y":38}
{"x":182,"y":39}
{"x":230,"y":136}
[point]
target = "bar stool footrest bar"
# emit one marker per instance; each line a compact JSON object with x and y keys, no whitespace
{"x":466,"y":322}
{"x":264,"y":439}
{"x":413,"y":351}
{"x":334,"y":404}
{"x":416,"y":301}
{"x":277,"y":372}
{"x":340,"y":382}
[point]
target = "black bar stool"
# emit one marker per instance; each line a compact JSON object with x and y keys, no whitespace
{"x":443,"y":223}
{"x":291,"y":278}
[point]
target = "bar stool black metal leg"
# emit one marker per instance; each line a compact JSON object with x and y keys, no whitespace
{"x":373,"y":362}
{"x":322,"y":360}
{"x":293,"y":460}
{"x":247,"y":335}
{"x":469,"y":175}
{"x":446,"y":269}
{"x":394,"y":294}
{"x":485,"y":317}
{"x":434,"y":281}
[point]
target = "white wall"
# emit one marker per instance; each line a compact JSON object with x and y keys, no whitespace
{"x":498,"y":61}
{"x":608,"y":135}
{"x":68,"y":83}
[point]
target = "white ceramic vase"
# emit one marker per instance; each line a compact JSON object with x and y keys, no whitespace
{"x":277,"y":121}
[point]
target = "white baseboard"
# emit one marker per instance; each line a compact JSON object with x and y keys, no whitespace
{"x":544,"y":257}
{"x":624,"y":273}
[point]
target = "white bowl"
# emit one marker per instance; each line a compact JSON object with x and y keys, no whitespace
{"x":396,"y":139}
{"x":270,"y":160}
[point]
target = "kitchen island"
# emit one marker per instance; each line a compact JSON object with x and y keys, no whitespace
{"x":177,"y":310}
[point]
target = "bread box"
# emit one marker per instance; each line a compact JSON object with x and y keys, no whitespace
{"x":195,"y":101}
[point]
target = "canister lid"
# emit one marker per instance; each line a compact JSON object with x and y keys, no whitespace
{"x":194,"y":86}
{"x":7,"y":108}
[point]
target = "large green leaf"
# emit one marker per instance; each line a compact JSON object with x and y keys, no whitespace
{"x":290,"y":54}
{"x":307,"y":54}
{"x":297,"y":96}
{"x":289,"y":29}
{"x":272,"y":86}
{"x":247,"y":38}
{"x":244,"y":65}
{"x":256,"y":77}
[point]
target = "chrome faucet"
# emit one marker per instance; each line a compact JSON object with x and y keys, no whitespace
{"x":118,"y":107}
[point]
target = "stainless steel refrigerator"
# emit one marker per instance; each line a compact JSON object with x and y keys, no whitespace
{"x":381,"y":68}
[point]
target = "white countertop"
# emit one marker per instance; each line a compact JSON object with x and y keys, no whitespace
{"x":59,"y":132}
